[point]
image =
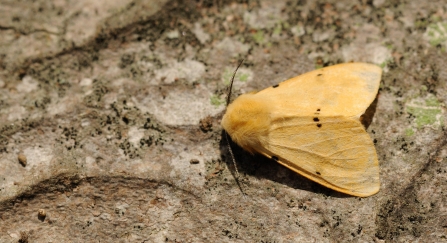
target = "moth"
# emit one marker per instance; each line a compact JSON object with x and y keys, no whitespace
{"x":311,"y":125}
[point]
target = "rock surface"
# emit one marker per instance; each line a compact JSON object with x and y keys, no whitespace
{"x":110,"y":120}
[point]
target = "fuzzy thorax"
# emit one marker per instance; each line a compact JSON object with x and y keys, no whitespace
{"x":247,"y":121}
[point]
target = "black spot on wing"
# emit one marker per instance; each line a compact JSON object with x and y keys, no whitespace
{"x":275,"y":86}
{"x":316,"y":119}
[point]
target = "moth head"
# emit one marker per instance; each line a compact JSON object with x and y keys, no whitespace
{"x":247,"y":120}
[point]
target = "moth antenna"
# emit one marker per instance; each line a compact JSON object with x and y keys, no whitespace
{"x":232,"y":80}
{"x":226,"y":134}
{"x":232,"y":155}
{"x":234,"y":163}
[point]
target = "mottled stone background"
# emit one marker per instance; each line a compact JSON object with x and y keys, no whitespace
{"x":110,"y":120}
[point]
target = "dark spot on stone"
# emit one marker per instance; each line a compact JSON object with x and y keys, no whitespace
{"x":319,"y":125}
{"x":125,"y":120}
{"x":316,"y":119}
{"x":318,"y":109}
{"x":275,"y":86}
{"x":206,"y":124}
{"x":194,"y":161}
{"x":320,"y":74}
{"x":275,"y":158}
{"x":318,"y":173}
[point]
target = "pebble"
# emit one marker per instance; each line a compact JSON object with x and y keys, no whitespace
{"x":22,"y":159}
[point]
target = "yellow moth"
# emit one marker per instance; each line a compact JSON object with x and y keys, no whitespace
{"x":311,"y":125}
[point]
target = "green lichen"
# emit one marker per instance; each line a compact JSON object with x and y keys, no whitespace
{"x":409,"y":132}
{"x":226,"y":76}
{"x":436,"y":34}
{"x":385,"y":63}
{"x":241,"y":75}
{"x":389,"y":46}
{"x":427,"y":112}
{"x":277,"y":30}
{"x":258,"y":37}
{"x":421,"y":24}
{"x":424,"y":116}
{"x":216,"y":101}
{"x":432,"y":101}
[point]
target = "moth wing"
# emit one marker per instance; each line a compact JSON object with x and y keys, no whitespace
{"x":339,"y":154}
{"x":340,"y":90}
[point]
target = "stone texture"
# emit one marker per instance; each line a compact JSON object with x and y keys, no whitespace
{"x":116,"y":106}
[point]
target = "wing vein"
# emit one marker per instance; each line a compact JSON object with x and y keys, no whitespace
{"x":322,"y":156}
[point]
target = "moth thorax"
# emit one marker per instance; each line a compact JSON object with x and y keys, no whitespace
{"x":247,"y":121}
